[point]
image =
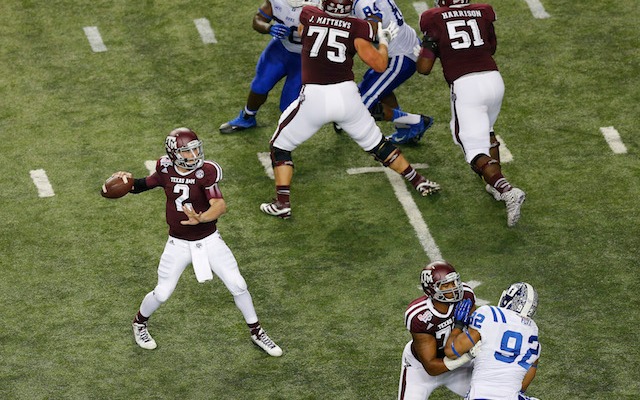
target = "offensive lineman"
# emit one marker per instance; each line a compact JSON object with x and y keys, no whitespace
{"x":377,"y":88}
{"x":330,"y":40}
{"x":194,"y":204}
{"x":430,"y":319}
{"x":462,"y":35}
{"x":508,"y":359}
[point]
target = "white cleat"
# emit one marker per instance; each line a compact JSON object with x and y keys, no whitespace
{"x":427,"y":187}
{"x":142,"y":337}
{"x":276,"y":209}
{"x":493,"y":192}
{"x":513,"y":199}
{"x":263,"y":341}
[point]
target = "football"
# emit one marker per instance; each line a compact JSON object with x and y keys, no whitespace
{"x":115,"y":187}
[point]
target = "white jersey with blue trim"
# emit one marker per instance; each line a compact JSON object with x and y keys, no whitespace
{"x":509,"y":348}
{"x":388,"y":11}
{"x":289,"y":16}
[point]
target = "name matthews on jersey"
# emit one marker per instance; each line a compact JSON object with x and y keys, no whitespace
{"x":330,"y":21}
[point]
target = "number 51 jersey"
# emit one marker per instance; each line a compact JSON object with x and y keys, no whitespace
{"x":509,"y":348}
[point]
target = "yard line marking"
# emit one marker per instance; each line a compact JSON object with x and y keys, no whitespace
{"x":409,"y":205}
{"x":420,"y":7}
{"x":39,"y":178}
{"x":537,"y":9}
{"x":265,"y":160}
{"x":150,"y":165}
{"x":613,"y":139}
{"x":95,"y":40}
{"x":505,"y":154}
{"x":204,"y":28}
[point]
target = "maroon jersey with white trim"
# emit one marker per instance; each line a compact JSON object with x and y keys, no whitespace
{"x":466,"y":38}
{"x":327,"y":46}
{"x":422,"y":317}
{"x":195,"y":187}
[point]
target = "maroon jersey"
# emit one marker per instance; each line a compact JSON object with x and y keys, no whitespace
{"x":195,"y":187}
{"x":422,"y":317}
{"x":465,"y":36}
{"x":327,"y":46}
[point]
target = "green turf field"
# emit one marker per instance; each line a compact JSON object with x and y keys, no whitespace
{"x":331,"y":284}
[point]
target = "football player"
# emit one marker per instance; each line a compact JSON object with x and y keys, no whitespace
{"x":377,"y":88}
{"x":508,"y":359}
{"x":462,"y":35}
{"x":280,"y":59}
{"x":430,"y":319}
{"x":194,"y":204}
{"x":330,"y":40}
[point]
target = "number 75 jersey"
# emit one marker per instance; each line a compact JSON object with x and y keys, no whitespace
{"x":509,"y":348}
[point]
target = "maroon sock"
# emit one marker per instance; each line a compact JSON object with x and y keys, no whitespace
{"x":283,"y":192}
{"x":140,"y":319}
{"x":500,"y":183}
{"x":412,"y":176}
{"x":254,"y":328}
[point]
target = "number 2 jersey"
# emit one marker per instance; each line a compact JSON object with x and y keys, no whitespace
{"x":509,"y":348}
{"x":194,"y":187}
{"x":422,"y":317}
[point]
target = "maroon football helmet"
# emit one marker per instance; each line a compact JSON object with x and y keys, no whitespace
{"x":181,"y":141}
{"x":436,"y":274}
{"x":337,"y":8}
{"x":447,"y":3}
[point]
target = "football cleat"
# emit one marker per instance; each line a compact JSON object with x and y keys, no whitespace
{"x":263,"y":341}
{"x":276,"y":209}
{"x":513,"y":199}
{"x":142,"y":337}
{"x":427,"y":187}
{"x":413,"y":133}
{"x":493,"y":192}
{"x":240,"y":123}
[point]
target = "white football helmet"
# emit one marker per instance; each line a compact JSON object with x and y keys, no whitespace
{"x":520,"y":297}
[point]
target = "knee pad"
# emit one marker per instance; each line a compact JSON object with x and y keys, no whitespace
{"x":385,"y":151}
{"x":479,"y":169}
{"x":161,"y":294}
{"x":280,"y":157}
{"x":377,"y":111}
{"x":237,"y":285}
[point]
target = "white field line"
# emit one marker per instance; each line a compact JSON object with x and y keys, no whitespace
{"x":95,"y":40}
{"x":408,"y":204}
{"x":537,"y":9}
{"x":150,"y":165}
{"x":40,"y":179}
{"x":204,"y":28}
{"x":479,"y":301}
{"x":265,"y":160}
{"x":613,"y":139}
{"x":505,"y":154}
{"x":420,"y":7}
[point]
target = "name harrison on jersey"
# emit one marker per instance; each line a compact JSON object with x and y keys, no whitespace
{"x":461,"y":13}
{"x":330,"y":21}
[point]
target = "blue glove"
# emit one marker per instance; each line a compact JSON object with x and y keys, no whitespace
{"x":279,"y":31}
{"x":461,"y":314}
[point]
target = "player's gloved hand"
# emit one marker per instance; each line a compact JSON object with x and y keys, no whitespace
{"x":387,"y":34}
{"x":416,"y":50}
{"x":475,"y":349}
{"x":279,"y":31}
{"x":461,"y":313}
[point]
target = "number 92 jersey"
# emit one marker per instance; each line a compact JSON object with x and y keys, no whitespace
{"x":509,"y":348}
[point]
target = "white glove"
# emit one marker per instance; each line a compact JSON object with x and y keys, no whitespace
{"x":452,"y":364}
{"x":388,"y":34}
{"x":475,"y":350}
{"x":416,"y":50}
